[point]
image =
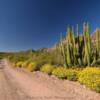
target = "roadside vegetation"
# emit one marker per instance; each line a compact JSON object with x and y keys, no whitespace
{"x":74,"y":58}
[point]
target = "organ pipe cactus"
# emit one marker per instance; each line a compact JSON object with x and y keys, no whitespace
{"x":62,"y":50}
{"x":69,"y":47}
{"x":89,"y":40}
{"x":74,"y":47}
{"x":97,"y":42}
{"x":87,"y":44}
{"x":77,"y":49}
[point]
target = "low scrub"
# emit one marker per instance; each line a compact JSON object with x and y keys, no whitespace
{"x":25,"y":64}
{"x":72,"y":75}
{"x":47,"y":68}
{"x":32,"y":66}
{"x":60,"y":72}
{"x":91,"y":78}
{"x":64,"y":73}
{"x":19,"y":64}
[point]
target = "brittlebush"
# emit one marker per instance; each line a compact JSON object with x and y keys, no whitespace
{"x":25,"y":64}
{"x":47,"y":68}
{"x":32,"y":66}
{"x":60,"y":72}
{"x":91,"y":78}
{"x":19,"y":64}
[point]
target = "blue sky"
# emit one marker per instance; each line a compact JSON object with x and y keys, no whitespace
{"x":26,"y":24}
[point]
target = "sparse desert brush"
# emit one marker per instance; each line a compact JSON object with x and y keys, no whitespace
{"x":47,"y":68}
{"x":19,"y":64}
{"x":90,"y":77}
{"x":60,"y":72}
{"x":32,"y":66}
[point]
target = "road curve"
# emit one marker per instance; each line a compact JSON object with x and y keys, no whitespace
{"x":19,"y":84}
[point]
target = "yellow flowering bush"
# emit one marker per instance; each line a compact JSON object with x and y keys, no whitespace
{"x":60,"y":72}
{"x":90,"y":77}
{"x":25,"y":64}
{"x":72,"y":74}
{"x":32,"y":66}
{"x":47,"y":68}
{"x":19,"y":64}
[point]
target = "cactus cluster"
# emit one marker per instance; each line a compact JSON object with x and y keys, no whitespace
{"x":77,"y":49}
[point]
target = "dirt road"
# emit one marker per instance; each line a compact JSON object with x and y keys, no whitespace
{"x":18,"y":84}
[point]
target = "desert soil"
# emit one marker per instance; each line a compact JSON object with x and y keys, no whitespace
{"x":19,"y":84}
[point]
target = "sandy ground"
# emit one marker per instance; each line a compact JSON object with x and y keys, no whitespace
{"x":19,"y":84}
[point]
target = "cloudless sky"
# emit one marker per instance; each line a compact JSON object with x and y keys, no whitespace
{"x":26,"y":24}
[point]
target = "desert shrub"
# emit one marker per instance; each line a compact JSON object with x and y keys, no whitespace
{"x":60,"y":72}
{"x":32,"y":66}
{"x":47,"y":68}
{"x":25,"y":64}
{"x":72,"y":75}
{"x":19,"y":64}
{"x":91,"y":78}
{"x":44,"y":57}
{"x":16,"y":58}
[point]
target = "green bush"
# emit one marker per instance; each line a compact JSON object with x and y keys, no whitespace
{"x":25,"y":64}
{"x":32,"y":66}
{"x":72,"y":75}
{"x":19,"y":64}
{"x":60,"y":72}
{"x":47,"y":68}
{"x":91,"y":78}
